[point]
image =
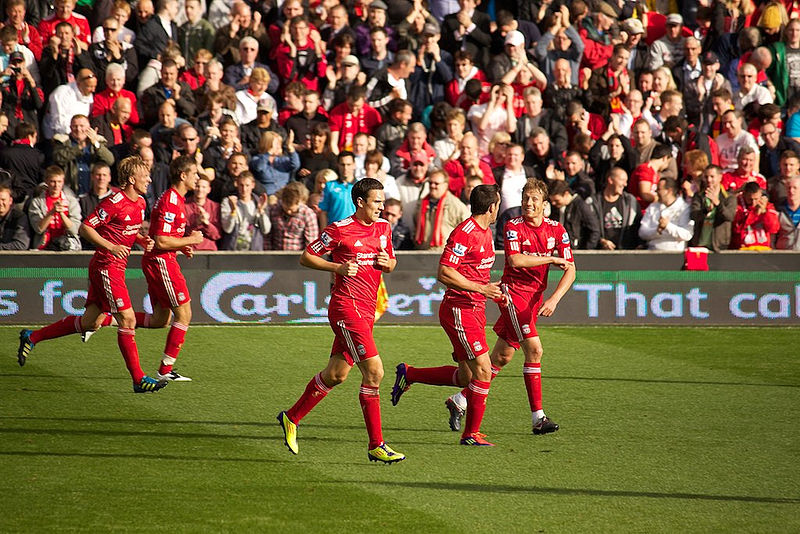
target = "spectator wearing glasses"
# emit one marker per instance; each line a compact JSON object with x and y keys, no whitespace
{"x":21,"y":98}
{"x":111,"y":51}
{"x":196,"y":33}
{"x":114,"y":89}
{"x":74,"y":98}
{"x":27,"y":34}
{"x":438,"y":213}
{"x":243,"y":23}
{"x":121,"y":11}
{"x":238,"y":75}
{"x":195,"y":76}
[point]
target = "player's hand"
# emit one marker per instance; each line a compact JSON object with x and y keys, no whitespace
{"x":187,"y":251}
{"x":548,"y":308}
{"x":382,"y":259}
{"x":149,"y":244}
{"x":120,"y":251}
{"x":195,"y":237}
{"x":492,"y":291}
{"x":348,"y":268}
{"x":562,"y":263}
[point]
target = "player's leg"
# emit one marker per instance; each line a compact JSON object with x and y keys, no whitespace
{"x":126,"y":339}
{"x":532,"y":372}
{"x":477,"y":391}
{"x":369,"y":398}
{"x":158,"y":319}
{"x":175,"y":337}
{"x":317,"y":388}
{"x":456,"y":404}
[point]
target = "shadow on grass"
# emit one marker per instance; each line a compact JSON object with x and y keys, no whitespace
{"x":139,"y":456}
{"x":502,"y":488}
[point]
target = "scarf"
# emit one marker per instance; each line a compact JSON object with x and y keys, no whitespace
{"x":613,"y":84}
{"x":349,"y":132}
{"x":70,"y":58}
{"x":437,"y":240}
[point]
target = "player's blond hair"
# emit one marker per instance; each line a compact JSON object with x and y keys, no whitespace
{"x":127,"y":169}
{"x":535,"y":184}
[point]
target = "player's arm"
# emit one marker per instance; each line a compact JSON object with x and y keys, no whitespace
{"x":91,"y":235}
{"x":348,"y":268}
{"x":522,"y":261}
{"x":165,"y":242}
{"x":567,"y":278}
{"x":453,"y":279}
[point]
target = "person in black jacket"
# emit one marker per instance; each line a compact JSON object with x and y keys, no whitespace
{"x":617,"y":213}
{"x":571,"y":211}
{"x":153,"y":38}
{"x":401,"y":234}
{"x":24,"y":162}
{"x":14,"y":228}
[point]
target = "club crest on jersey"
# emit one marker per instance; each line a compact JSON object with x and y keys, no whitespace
{"x":120,"y":303}
{"x":181,"y":297}
{"x":325,"y":238}
{"x":102,"y":214}
{"x":477,"y":345}
{"x":511,"y":235}
{"x":383,"y":241}
{"x":526,"y":329}
{"x":169,"y":217}
{"x":565,"y":238}
{"x":551,"y":242}
{"x":459,"y":249}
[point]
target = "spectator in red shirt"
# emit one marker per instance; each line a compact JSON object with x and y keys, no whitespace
{"x":115,"y":82}
{"x":63,"y":13}
{"x":202,"y":214}
{"x":301,"y":57}
{"x":27,"y":34}
{"x":350,"y":118}
{"x":468,"y":163}
{"x":756,"y":220}
{"x":644,"y":180}
{"x":465,"y":71}
{"x":196,"y":75}
{"x":745,"y":172}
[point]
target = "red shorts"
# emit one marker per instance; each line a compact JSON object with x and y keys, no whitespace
{"x":353,"y":338}
{"x":517,"y":320}
{"x":165,"y":282}
{"x":107,"y":289}
{"x":466,"y":328}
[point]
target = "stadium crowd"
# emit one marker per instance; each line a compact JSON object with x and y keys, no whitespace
{"x":655,"y":124}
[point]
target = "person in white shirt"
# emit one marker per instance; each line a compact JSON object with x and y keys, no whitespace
{"x":666,"y":224}
{"x":750,"y":91}
{"x":496,"y":115}
{"x":68,"y":100}
{"x":732,"y":139}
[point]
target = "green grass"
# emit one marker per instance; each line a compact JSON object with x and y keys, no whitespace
{"x":662,"y":430}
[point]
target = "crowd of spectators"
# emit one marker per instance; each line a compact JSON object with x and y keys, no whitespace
{"x":655,"y":124}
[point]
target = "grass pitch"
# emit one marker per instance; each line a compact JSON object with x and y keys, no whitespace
{"x":662,"y":430}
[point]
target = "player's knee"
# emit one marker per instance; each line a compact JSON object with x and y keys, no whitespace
{"x":334,"y":378}
{"x":183,"y":314}
{"x":126,"y":320}
{"x":503,"y":358}
{"x":534,"y":354}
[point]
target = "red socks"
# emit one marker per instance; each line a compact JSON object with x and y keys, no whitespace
{"x":127,"y":345}
{"x":175,"y":337}
{"x":477,"y":391}
{"x":315,"y":392}
{"x":446,"y":375}
{"x":495,"y":370}
{"x":533,"y":383}
{"x":66,"y":326}
{"x":370,"y":401}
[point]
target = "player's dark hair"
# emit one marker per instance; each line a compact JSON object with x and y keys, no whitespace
{"x":178,"y":166}
{"x":483,"y":197}
{"x":362,"y":188}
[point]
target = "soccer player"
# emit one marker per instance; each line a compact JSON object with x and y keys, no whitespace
{"x":531,"y":244}
{"x":165,"y":282}
{"x":361,"y":250}
{"x":112,"y":228}
{"x":464,"y":268}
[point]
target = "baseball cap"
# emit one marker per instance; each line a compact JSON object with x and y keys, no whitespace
{"x":16,"y":56}
{"x":709,"y":58}
{"x":606,"y":9}
{"x":515,"y":38}
{"x":633,"y":26}
{"x":350,"y":60}
{"x":674,"y":18}
{"x":431,"y":28}
{"x":265,"y":105}
{"x":419,"y":157}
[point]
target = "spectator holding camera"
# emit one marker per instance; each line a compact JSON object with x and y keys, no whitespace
{"x":22,"y":98}
{"x":756,"y":220}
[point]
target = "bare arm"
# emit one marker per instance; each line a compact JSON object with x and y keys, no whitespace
{"x":348,"y":268}
{"x":165,"y":242}
{"x":455,"y":280}
{"x":521,"y":261}
{"x":567,"y":278}
{"x":91,"y":235}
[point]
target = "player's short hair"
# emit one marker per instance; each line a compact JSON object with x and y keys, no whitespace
{"x":127,"y":169}
{"x":535,"y":185}
{"x":178,"y":166}
{"x":362,"y":188}
{"x":483,"y":197}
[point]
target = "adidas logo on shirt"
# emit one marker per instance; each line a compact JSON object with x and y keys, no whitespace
{"x":358,"y":243}
{"x":127,"y":217}
{"x":526,"y":242}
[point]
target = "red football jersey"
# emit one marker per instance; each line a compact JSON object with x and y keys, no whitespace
{"x":470,"y":251}
{"x":118,"y":219}
{"x":350,"y":238}
{"x":168,"y":218}
{"x":348,"y":125}
{"x":547,"y":239}
{"x":644,"y":173}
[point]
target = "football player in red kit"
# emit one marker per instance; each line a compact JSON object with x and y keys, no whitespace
{"x":465,"y":268}
{"x":531,"y":244}
{"x":361,"y":250}
{"x":113,"y":228}
{"x":166,"y":285}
